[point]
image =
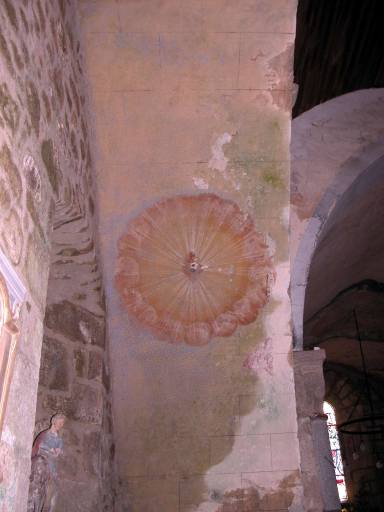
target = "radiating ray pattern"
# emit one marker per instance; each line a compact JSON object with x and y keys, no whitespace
{"x":193,"y":267}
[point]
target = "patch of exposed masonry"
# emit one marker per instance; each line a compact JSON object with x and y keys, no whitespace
{"x":219,"y":162}
{"x":200,"y":183}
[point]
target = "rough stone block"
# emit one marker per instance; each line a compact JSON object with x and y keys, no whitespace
{"x":92,"y":452}
{"x":80,"y":362}
{"x":87,"y":403}
{"x":78,"y":495}
{"x":10,"y":169}
{"x":76,"y":323}
{"x":69,"y":465}
{"x":54,"y":368}
{"x":95,"y":366}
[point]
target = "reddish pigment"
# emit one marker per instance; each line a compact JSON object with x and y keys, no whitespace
{"x":193,"y":267}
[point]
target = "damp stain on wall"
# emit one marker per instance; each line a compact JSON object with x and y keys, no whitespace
{"x":254,"y":498}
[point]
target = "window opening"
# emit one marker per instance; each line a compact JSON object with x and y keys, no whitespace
{"x":336,"y":452}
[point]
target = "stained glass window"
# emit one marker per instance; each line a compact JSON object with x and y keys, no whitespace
{"x":335,"y":449}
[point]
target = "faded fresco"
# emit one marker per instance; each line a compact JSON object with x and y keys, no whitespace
{"x":191,"y":109}
{"x":193,"y":267}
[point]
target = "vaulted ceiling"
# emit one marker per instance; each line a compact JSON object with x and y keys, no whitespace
{"x":338,"y":49}
{"x":351,"y":246}
{"x":347,"y":275}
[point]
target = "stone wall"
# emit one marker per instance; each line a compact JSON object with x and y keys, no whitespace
{"x":47,"y":230}
{"x":193,"y":97}
{"x":310,"y":390}
{"x":74,"y":374}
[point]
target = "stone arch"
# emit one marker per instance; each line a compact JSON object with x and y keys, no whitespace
{"x":345,"y":391}
{"x":332,"y":145}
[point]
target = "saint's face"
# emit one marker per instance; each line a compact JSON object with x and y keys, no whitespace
{"x":59,"y":423}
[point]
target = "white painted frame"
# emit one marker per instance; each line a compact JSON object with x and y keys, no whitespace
{"x":12,"y":295}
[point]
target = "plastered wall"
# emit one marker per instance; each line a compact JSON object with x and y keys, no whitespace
{"x":47,"y":233}
{"x":192,"y":97}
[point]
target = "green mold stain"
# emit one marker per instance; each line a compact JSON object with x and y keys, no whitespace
{"x":257,"y":141}
{"x":272,"y":137}
{"x":273,"y":179}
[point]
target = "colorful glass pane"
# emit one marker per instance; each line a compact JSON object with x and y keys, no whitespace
{"x":335,"y":449}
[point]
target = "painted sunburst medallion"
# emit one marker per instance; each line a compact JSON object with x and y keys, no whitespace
{"x":193,"y":267}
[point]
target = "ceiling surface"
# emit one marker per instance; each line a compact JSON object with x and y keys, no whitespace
{"x":338,"y":49}
{"x":351,"y":245}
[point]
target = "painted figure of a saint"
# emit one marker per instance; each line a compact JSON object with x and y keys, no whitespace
{"x":47,"y":447}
